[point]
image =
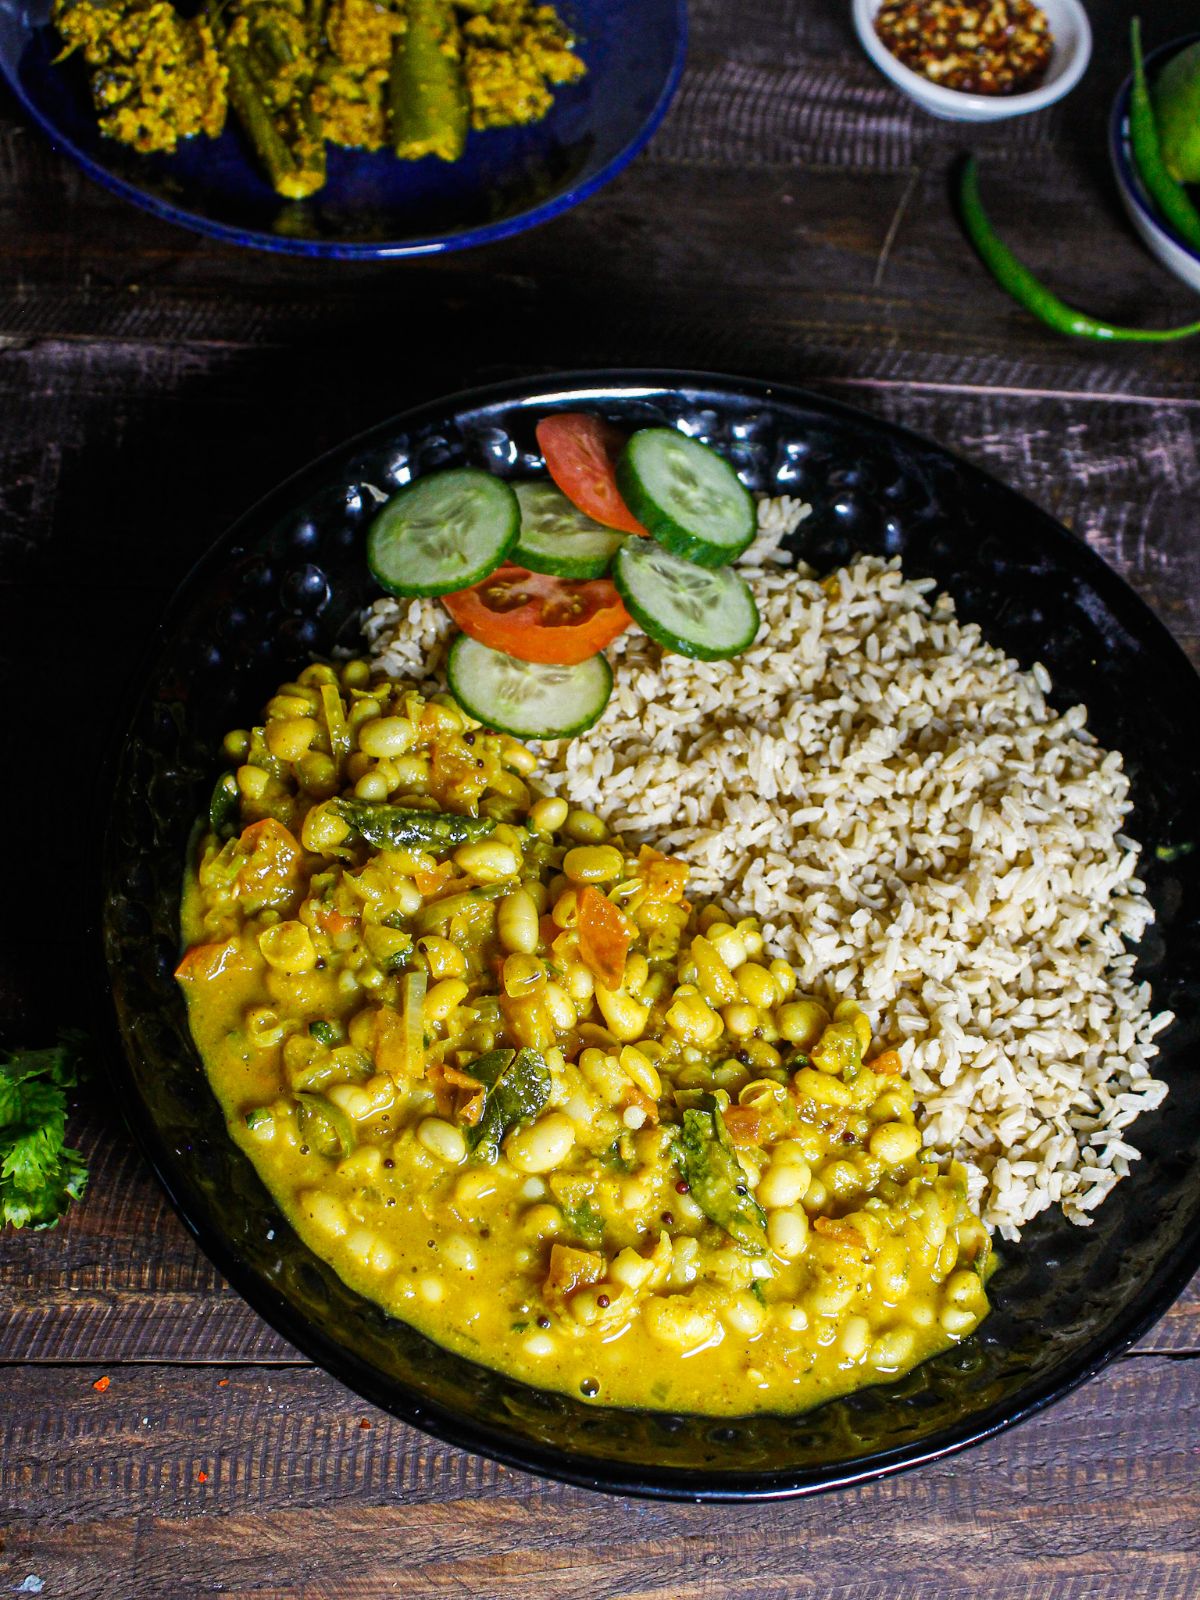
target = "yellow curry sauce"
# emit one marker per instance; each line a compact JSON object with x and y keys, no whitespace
{"x":497,"y":1071}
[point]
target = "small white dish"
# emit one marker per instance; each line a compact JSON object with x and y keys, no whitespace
{"x":1160,"y":238}
{"x":1072,"y":52}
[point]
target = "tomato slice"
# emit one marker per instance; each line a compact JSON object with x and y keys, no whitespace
{"x":535,"y":617}
{"x":581,"y":456}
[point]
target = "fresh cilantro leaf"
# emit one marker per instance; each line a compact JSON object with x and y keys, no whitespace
{"x":585,"y":1223}
{"x":39,"y":1175}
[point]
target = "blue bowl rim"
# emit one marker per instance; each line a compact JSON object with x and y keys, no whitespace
{"x":398,"y":249}
{"x":1128,"y":177}
{"x":658,"y":1482}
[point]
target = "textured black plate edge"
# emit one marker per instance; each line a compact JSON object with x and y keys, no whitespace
{"x":660,"y":1483}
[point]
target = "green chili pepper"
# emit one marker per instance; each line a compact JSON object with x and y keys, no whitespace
{"x":430,"y":112}
{"x":286,"y":139}
{"x":710,"y":1167}
{"x":323,"y":1126}
{"x":392,"y":827}
{"x":1169,"y":196}
{"x":1014,"y":276}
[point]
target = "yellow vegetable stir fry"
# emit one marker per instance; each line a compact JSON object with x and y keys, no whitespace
{"x":155,"y":77}
{"x":498,"y":1070}
{"x":298,"y":74}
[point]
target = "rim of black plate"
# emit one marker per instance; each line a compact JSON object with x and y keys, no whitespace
{"x":613,"y":1477}
{"x":1128,"y":176}
{"x":363,"y":250}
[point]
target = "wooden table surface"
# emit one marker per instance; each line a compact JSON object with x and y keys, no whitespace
{"x":791,"y":220}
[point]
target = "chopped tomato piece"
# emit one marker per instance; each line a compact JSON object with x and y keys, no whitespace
{"x":641,"y":1101}
{"x":432,"y":880}
{"x":581,"y":456}
{"x":458,"y":1094}
{"x":270,"y":868}
{"x":604,"y":937}
{"x":743,"y":1125}
{"x":389,"y":1049}
{"x":570,"y":1270}
{"x":204,"y":961}
{"x":335,"y":922}
{"x":888,"y":1065}
{"x":535,"y":617}
{"x":665,"y":877}
{"x":839,"y":1232}
{"x":457,"y":777}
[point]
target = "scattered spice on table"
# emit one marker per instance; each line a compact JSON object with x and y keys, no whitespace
{"x":101,"y":1384}
{"x":996,"y":47}
{"x":202,"y":1477}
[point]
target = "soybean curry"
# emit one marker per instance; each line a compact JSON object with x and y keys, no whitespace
{"x":498,"y":1071}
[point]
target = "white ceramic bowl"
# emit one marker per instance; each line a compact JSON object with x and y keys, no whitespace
{"x":1177,"y":256}
{"x":1072,"y":51}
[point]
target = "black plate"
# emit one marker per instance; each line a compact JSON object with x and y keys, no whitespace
{"x":289,"y":579}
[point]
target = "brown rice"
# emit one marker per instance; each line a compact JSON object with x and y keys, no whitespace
{"x":914,"y":825}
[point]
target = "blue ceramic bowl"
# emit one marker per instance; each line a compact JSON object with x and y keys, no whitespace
{"x":1175,"y":253}
{"x":373,"y":205}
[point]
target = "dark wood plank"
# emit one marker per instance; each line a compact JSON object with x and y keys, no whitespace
{"x":811,"y":223}
{"x":850,"y":273}
{"x":1097,"y":1498}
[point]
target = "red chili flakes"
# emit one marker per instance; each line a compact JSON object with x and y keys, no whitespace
{"x":101,"y":1384}
{"x":980,"y":47}
{"x":364,"y":1423}
{"x":222,"y":1383}
{"x":202,"y":1477}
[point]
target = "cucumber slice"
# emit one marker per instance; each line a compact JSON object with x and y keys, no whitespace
{"x":556,"y":537}
{"x":704,"y":614}
{"x":528,"y":699}
{"x":443,"y":533}
{"x":689,"y":497}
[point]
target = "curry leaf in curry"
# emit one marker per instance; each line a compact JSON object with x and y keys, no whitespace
{"x":323,"y":1126}
{"x":39,"y":1174}
{"x":517,"y":1085}
{"x":617,"y":1157}
{"x":716,"y":1181}
{"x":225,"y":807}
{"x":387,"y":827}
{"x":584,"y":1223}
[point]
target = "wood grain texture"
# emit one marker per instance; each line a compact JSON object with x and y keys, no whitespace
{"x":850,"y":272}
{"x":809,"y":221}
{"x":1096,"y":1500}
{"x":791,"y":220}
